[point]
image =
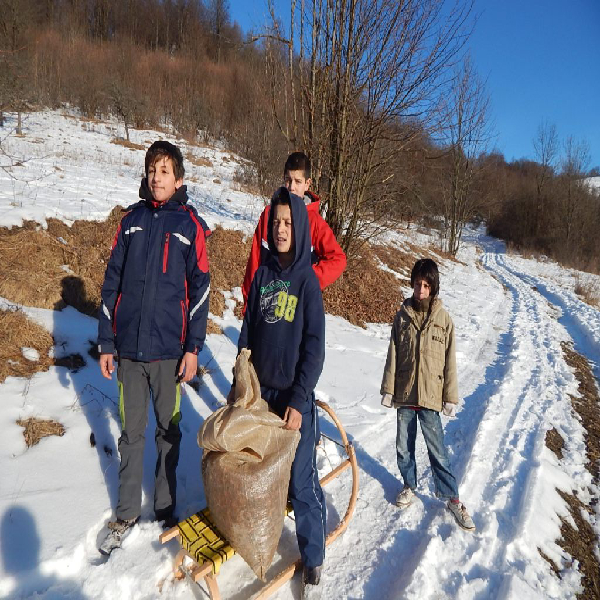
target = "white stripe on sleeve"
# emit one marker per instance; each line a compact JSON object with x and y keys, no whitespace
{"x":202,"y":301}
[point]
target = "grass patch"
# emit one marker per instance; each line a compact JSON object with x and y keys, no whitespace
{"x":588,"y":292}
{"x":580,"y":540}
{"x":36,"y":429}
{"x":17,"y":331}
{"x":60,"y":265}
{"x":198,"y":161}
{"x":65,"y":265}
{"x":364,"y":293}
{"x":228,"y":253}
{"x":127,"y":144}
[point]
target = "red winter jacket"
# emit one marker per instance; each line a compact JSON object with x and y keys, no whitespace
{"x":329,"y":260}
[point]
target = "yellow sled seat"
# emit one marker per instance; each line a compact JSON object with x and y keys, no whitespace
{"x":203,"y":542}
{"x":204,"y":545}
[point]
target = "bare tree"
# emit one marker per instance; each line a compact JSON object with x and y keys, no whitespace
{"x":355,"y":72}
{"x":219,"y":16}
{"x":545,"y":145}
{"x":467,"y":134}
{"x":574,"y":165}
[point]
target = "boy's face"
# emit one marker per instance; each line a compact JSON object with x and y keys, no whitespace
{"x":161,"y":179}
{"x":421,"y":289}
{"x":283,"y":229}
{"x":296,"y":183}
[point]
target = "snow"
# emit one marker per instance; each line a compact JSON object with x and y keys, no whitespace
{"x":31,"y":354}
{"x":593,"y":183}
{"x":511,"y":315}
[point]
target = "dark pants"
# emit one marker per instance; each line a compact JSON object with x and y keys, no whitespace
{"x":305,"y":491}
{"x":137,"y":382}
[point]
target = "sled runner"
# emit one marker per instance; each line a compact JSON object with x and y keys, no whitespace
{"x":207,"y":550}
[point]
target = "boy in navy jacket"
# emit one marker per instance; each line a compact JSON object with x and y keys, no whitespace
{"x":284,"y":327}
{"x":153,"y":314}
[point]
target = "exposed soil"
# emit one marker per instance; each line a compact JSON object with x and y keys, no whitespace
{"x":580,"y":540}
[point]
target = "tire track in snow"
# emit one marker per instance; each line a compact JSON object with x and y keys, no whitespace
{"x":393,"y":549}
{"x":503,"y":465}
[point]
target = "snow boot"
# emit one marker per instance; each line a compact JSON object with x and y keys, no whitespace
{"x":168,"y":519}
{"x":117,"y":531}
{"x":459,"y":511}
{"x":405,"y":497}
{"x":311,"y":577}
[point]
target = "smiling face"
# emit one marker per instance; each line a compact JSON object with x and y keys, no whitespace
{"x":421,"y":289}
{"x":283,"y":233}
{"x":161,"y":179}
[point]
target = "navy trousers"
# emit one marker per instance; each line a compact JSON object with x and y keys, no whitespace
{"x":305,"y":492}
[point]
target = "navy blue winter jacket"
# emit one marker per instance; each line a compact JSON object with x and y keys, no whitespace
{"x":284,"y":324}
{"x":155,"y":292}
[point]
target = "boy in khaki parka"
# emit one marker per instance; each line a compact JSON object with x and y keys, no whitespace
{"x":420,"y":380}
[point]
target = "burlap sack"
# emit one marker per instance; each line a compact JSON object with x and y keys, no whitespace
{"x":246,"y":469}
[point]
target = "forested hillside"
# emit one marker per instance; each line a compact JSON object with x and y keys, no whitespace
{"x":396,"y":130}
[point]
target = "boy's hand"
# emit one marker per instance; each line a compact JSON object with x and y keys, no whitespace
{"x":187,"y":367}
{"x":449,"y":409}
{"x":107,"y":366}
{"x":387,"y":400}
{"x":292,"y":418}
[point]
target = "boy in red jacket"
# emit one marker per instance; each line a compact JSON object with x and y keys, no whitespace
{"x":328,"y":259}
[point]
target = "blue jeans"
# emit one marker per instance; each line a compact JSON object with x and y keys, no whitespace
{"x":431,"y":426}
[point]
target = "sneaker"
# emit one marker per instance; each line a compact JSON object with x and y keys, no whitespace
{"x":405,"y":497}
{"x":459,"y":510}
{"x":117,"y":531}
{"x":311,"y":575}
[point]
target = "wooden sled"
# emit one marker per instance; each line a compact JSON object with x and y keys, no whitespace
{"x":207,"y":550}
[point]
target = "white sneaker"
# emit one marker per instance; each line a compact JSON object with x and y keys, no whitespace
{"x":405,"y":497}
{"x":459,"y":510}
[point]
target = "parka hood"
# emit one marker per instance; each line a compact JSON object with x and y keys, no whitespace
{"x":302,"y":249}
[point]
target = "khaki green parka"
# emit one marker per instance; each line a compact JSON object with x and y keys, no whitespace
{"x":420,"y":369}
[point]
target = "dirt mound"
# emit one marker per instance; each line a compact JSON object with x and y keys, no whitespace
{"x":364,"y":293}
{"x":228,"y":253}
{"x":60,"y":265}
{"x":65,"y":265}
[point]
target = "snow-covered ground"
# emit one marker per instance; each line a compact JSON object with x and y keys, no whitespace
{"x":511,"y":315}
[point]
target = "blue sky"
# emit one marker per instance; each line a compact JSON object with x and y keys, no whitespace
{"x":540,"y":58}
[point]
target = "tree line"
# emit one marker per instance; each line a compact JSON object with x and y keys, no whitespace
{"x":380,"y":94}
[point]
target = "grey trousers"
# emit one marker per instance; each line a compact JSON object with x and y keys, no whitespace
{"x":137,"y":382}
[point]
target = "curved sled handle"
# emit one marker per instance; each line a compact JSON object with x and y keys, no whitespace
{"x":351,"y":461}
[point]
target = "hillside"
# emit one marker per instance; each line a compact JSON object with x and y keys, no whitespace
{"x":523,"y":444}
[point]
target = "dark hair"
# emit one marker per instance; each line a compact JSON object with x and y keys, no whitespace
{"x":426,"y":269}
{"x":165,"y":149}
{"x":297,"y":161}
{"x":281,"y":196}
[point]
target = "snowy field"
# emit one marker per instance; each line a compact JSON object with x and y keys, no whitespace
{"x":511,"y":315}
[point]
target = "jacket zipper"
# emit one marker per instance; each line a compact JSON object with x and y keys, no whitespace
{"x":166,"y":253}
{"x":115,"y":315}
{"x":183,"y":323}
